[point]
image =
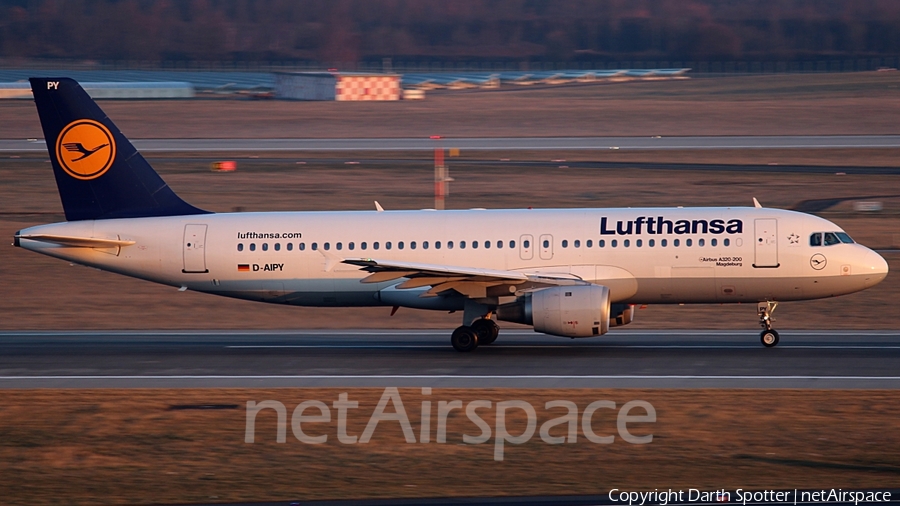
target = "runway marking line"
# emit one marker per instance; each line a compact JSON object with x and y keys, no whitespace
{"x":553,"y":346}
{"x":452,"y":376}
{"x":402,"y":333}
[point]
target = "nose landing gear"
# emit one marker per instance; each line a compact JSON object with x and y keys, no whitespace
{"x":769,"y":336}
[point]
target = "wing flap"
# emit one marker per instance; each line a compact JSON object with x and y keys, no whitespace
{"x":470,"y":282}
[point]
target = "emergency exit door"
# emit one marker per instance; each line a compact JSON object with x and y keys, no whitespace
{"x":194,"y":249}
{"x":766,"y":242}
{"x":526,"y":247}
{"x":546,"y":245}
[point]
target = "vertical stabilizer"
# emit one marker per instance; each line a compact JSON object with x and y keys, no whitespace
{"x":98,"y":172}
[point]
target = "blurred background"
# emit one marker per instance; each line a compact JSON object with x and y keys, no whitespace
{"x":751,"y":35}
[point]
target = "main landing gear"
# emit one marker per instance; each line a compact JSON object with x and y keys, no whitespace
{"x":768,"y":336}
{"x":483,"y":331}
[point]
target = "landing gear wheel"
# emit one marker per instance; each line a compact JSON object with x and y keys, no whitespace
{"x":464,"y":339}
{"x":487,"y":331}
{"x":769,"y":338}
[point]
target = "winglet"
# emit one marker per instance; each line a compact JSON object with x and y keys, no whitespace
{"x":378,"y":207}
{"x":756,"y":203}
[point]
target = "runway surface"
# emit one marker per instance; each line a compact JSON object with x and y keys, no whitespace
{"x":379,"y":358}
{"x":499,"y":143}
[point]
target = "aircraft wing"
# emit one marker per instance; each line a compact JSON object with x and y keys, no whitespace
{"x":469,"y":281}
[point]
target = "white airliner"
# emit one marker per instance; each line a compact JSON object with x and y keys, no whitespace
{"x":567,"y":272}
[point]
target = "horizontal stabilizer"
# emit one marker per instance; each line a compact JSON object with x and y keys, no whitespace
{"x":76,"y":242}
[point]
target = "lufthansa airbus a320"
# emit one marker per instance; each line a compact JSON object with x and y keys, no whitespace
{"x":566,"y":272}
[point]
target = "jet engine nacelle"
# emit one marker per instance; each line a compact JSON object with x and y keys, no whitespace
{"x":568,"y":311}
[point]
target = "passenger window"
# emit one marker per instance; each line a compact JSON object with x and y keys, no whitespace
{"x":252,"y":246}
{"x":844,"y":237}
{"x":701,"y":242}
{"x":499,"y":244}
{"x":277,"y":246}
{"x":714,"y":242}
{"x":664,"y":243}
{"x":400,"y":245}
{"x":601,"y":243}
{"x":351,"y":246}
{"x":437,"y":244}
{"x":315,"y":246}
{"x":512,"y":244}
{"x":689,"y":242}
{"x":526,"y":243}
{"x":546,"y":243}
{"x":652,"y":243}
{"x":577,"y":243}
{"x":627,"y":243}
{"x":387,"y":245}
{"x":639,"y":243}
{"x":376,"y":245}
{"x":290,"y":246}
{"x":589,"y":244}
{"x":831,"y":239}
{"x":265,"y":246}
{"x":449,"y":244}
{"x":340,"y":246}
{"x":424,"y":244}
{"x":565,"y":243}
{"x":614,"y":243}
{"x":487,"y":244}
{"x":815,"y":239}
{"x":363,"y":245}
{"x":474,"y":244}
{"x":302,"y":246}
{"x":726,"y":242}
{"x":240,"y":246}
{"x":412,"y":245}
{"x":462,"y":244}
{"x":327,"y":246}
{"x":676,"y":242}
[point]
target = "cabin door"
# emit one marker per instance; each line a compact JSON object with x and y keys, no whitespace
{"x":766,"y":243}
{"x":195,"y":249}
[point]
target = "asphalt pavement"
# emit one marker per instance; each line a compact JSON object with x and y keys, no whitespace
{"x":378,"y":358}
{"x":497,"y":143}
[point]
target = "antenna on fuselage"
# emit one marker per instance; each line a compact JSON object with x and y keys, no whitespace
{"x":378,"y":207}
{"x":756,"y":203}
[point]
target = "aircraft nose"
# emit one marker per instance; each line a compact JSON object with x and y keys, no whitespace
{"x":876,"y":266}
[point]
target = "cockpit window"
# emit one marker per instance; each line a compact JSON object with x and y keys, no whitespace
{"x":830,"y":238}
{"x":844,"y":237}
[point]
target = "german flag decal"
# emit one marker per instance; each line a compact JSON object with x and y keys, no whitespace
{"x":243,"y":267}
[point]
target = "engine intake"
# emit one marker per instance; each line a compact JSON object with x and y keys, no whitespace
{"x":568,"y":311}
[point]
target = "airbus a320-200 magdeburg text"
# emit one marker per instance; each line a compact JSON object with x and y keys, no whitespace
{"x":566,"y":272}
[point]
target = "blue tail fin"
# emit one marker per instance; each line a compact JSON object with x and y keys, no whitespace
{"x":98,"y":172}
